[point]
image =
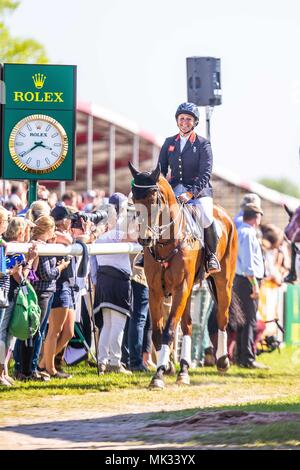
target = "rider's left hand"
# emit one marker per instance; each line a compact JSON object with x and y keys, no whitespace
{"x":185,"y":197}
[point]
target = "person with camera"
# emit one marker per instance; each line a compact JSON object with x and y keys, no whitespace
{"x":61,"y":319}
{"x":113,"y":298}
{"x":47,"y":274}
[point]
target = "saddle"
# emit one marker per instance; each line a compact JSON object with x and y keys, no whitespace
{"x":194,"y":227}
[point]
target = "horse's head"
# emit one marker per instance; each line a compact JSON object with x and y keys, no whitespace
{"x":147,"y":200}
{"x":292,"y":230}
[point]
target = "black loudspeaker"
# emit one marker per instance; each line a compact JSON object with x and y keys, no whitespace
{"x":204,"y":81}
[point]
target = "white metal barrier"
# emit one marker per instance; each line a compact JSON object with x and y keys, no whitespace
{"x":57,"y":249}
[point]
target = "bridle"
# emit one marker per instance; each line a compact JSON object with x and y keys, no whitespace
{"x":159,"y":230}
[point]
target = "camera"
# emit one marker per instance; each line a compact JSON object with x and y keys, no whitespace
{"x":16,"y":258}
{"x":95,"y":217}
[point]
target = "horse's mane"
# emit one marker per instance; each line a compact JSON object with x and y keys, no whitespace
{"x":166,"y":190}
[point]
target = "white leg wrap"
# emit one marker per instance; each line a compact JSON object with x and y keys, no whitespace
{"x":186,"y":348}
{"x":222,"y":344}
{"x":163,"y":356}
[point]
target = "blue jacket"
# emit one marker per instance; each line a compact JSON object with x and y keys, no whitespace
{"x":192,"y":167}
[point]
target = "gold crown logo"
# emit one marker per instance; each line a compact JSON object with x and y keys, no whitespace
{"x":39,"y":126}
{"x":39,"y":80}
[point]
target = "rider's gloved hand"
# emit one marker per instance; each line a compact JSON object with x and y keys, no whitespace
{"x":185,"y":197}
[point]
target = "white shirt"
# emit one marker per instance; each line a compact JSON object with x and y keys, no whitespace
{"x":118,"y":261}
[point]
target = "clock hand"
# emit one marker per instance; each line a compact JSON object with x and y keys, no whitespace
{"x":37,"y":144}
{"x":45,"y":146}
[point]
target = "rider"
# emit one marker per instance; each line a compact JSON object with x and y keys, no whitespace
{"x":189,"y":157}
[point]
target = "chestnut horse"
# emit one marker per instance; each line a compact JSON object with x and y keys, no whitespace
{"x":173,"y":262}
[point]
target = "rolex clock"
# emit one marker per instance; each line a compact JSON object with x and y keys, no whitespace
{"x":38,"y":144}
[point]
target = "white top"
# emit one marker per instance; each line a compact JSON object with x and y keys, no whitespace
{"x":118,"y":261}
{"x":183,"y":141}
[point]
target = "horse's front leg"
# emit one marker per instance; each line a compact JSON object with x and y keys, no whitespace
{"x":183,"y":377}
{"x":180,"y":305}
{"x":156,"y":310}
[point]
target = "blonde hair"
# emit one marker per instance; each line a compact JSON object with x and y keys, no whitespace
{"x":37,"y":209}
{"x":15,"y":227}
{"x":4,"y":214}
{"x":43,"y":224}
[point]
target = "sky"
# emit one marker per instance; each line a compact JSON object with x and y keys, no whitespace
{"x":131,"y":58}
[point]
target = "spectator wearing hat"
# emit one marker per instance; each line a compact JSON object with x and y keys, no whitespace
{"x":249,"y":198}
{"x":249,"y":273}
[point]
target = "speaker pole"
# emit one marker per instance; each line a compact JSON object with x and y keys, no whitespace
{"x":208,"y":113}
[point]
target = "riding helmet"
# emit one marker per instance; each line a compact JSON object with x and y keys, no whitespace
{"x":188,"y":108}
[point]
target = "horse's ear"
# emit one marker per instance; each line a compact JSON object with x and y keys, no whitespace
{"x":155,"y":173}
{"x":133,"y":170}
{"x":288,"y":211}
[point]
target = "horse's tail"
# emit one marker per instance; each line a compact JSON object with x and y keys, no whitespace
{"x":236,"y":314}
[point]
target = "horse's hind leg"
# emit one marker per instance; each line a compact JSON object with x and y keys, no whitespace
{"x":186,"y":347}
{"x":223,"y":291}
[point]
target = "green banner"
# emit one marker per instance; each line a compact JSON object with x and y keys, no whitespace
{"x":292,"y":315}
{"x":38,"y":122}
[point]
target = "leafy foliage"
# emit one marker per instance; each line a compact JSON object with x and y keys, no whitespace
{"x":283,"y":185}
{"x":14,"y":49}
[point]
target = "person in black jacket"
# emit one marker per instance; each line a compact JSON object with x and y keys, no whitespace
{"x":190,"y":159}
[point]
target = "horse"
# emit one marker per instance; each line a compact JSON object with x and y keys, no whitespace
{"x":292,"y":230}
{"x":292,"y":233}
{"x":173,"y":263}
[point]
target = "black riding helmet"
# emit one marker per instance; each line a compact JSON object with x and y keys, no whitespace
{"x":188,"y":108}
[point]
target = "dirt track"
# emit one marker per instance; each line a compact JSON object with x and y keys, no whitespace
{"x":89,"y":422}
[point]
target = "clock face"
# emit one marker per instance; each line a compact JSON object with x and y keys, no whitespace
{"x":38,"y":144}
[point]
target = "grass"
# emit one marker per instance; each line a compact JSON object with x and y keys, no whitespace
{"x":272,"y":391}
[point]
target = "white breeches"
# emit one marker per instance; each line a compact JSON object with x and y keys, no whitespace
{"x":205,"y":205}
{"x":111,"y":337}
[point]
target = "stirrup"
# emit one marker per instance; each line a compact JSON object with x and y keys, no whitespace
{"x":212,"y":264}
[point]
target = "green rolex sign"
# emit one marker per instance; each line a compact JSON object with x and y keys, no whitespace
{"x":39,"y":121}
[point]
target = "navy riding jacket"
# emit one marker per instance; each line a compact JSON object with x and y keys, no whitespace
{"x":192,"y":167}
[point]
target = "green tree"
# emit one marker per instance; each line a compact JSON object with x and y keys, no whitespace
{"x":283,"y":185}
{"x":14,"y":49}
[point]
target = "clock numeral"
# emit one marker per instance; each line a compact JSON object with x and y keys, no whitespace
{"x":21,"y":143}
{"x":54,"y":135}
{"x":22,"y":134}
{"x":57,"y":145}
{"x":38,"y":163}
{"x":47,"y":161}
{"x":29,"y":127}
{"x":28,"y":160}
{"x":48,"y":127}
{"x":54,"y":154}
{"x":21,"y":154}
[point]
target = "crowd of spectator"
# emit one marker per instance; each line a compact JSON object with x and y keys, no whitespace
{"x":120,"y":297}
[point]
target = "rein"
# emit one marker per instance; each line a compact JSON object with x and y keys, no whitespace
{"x":158,"y":230}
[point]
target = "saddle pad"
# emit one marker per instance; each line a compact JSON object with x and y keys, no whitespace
{"x":193,"y":228}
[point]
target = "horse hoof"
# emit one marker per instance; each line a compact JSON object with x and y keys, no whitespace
{"x":183,"y":379}
{"x":171,"y":369}
{"x":223,"y":364}
{"x":156,"y":384}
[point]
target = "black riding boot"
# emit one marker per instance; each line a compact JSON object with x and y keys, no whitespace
{"x":211,"y":241}
{"x":292,"y":275}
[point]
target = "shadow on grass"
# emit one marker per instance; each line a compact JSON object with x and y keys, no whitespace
{"x":153,"y":428}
